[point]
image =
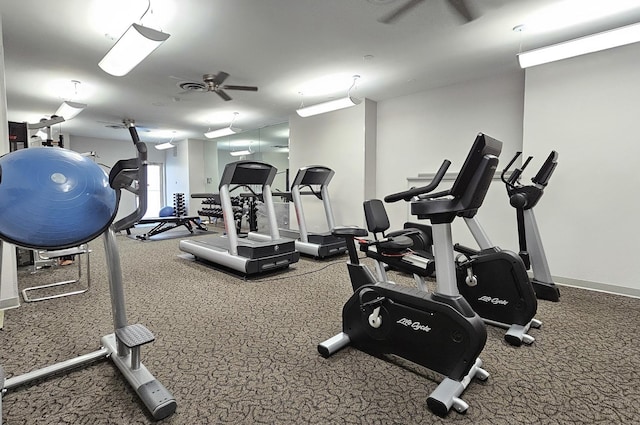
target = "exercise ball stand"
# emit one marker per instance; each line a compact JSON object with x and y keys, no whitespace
{"x":81,"y":191}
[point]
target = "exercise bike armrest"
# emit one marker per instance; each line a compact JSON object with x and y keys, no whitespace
{"x":465,"y":250}
{"x":408,"y":194}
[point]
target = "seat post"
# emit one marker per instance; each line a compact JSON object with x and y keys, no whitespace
{"x":445,"y":263}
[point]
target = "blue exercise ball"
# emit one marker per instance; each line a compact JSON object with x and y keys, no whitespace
{"x":166,"y":211}
{"x":53,"y":198}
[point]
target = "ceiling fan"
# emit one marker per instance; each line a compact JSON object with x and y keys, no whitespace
{"x":213,"y":83}
{"x":460,"y":6}
{"x":124,"y":124}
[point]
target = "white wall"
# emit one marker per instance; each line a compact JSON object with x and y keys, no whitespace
{"x":108,"y":153}
{"x":336,"y":140}
{"x":281,"y":162}
{"x":417,"y":132}
{"x":212,"y":176}
{"x":8,"y":274}
{"x":197,"y":178}
{"x":587,"y":109}
{"x":177,"y":171}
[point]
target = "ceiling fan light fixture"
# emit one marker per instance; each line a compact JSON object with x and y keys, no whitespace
{"x":133,"y":47}
{"x":69,"y":109}
{"x":580,"y":46}
{"x":332,"y":105}
{"x":164,"y":146}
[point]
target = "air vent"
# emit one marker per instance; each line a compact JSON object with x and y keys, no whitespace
{"x":192,"y":86}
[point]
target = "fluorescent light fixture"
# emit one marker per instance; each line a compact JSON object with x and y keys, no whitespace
{"x":164,"y":146}
{"x":241,"y":153}
{"x":227,"y":131}
{"x":41,"y":134}
{"x":332,"y":105}
{"x":135,"y":44}
{"x":580,"y":46}
{"x":68,"y":109}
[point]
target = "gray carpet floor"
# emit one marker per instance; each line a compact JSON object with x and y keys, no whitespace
{"x":236,"y":351}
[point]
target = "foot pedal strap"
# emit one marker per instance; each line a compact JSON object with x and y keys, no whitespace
{"x":134,"y":335}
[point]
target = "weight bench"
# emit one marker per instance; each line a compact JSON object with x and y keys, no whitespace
{"x":168,"y":223}
{"x":45,"y":256}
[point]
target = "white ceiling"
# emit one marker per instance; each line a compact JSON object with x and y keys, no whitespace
{"x":277,"y":45}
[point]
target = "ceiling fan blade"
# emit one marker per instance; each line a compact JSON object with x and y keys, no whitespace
{"x":462,"y":8}
{"x":389,"y":18}
{"x":220,"y":77}
{"x":245,"y":88}
{"x":223,"y":95}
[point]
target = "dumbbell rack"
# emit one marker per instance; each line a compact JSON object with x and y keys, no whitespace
{"x":179,"y":205}
{"x":213,"y":209}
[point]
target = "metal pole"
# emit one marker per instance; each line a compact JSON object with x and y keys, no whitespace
{"x":115,"y":284}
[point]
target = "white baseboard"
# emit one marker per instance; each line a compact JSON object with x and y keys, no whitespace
{"x":596,"y":286}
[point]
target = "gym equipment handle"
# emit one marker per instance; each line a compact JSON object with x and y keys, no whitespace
{"x":514,"y":178}
{"x":134,"y":169}
{"x":545,"y":172}
{"x":408,"y":194}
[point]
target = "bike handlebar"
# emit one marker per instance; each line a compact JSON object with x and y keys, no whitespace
{"x":416,"y":191}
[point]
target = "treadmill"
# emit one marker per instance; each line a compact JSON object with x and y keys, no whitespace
{"x":318,"y":245}
{"x":247,"y":256}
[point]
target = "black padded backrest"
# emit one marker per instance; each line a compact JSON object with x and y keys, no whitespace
{"x":478,"y":186}
{"x":470,"y":187}
{"x":376,"y":216}
{"x":248,"y":173}
{"x":313,"y":175}
{"x":483,"y":145}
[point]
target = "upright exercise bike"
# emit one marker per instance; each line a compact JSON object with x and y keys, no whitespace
{"x":46,"y":182}
{"x":438,"y":330}
{"x":493,"y":281}
{"x":523,"y":198}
